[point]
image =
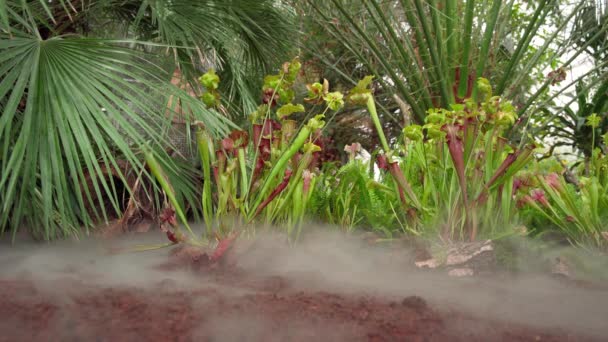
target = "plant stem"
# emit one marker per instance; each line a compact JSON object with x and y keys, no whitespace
{"x":371,"y":107}
{"x":304,"y":162}
{"x":452,"y":38}
{"x":243,"y":171}
{"x":485,"y":45}
{"x":298,"y":142}
{"x":159,"y":174}
{"x":435,"y":56}
{"x":203,"y":139}
{"x":466,"y":48}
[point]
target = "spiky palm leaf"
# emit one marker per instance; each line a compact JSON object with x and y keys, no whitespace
{"x":240,"y":38}
{"x":588,"y":22}
{"x":71,"y":104}
{"x":567,"y":125}
{"x":429,"y":52}
{"x":68,"y":107}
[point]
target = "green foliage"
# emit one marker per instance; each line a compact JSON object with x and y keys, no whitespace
{"x":210,"y":81}
{"x":413,"y":132}
{"x":65,"y":118}
{"x":334,"y":100}
{"x":84,"y":87}
{"x":289,"y":109}
{"x":428,"y":54}
{"x":463,"y":168}
{"x":578,"y":123}
{"x":270,"y":179}
{"x":349,"y":197}
{"x":576,"y":206}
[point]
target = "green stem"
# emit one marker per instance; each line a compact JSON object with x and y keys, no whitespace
{"x":159,"y":174}
{"x":433,"y":74}
{"x":203,"y":139}
{"x":466,"y":48}
{"x":435,"y":56}
{"x":304,"y":162}
{"x":298,"y":142}
{"x":519,"y":50}
{"x":452,"y":38}
{"x":371,"y":107}
{"x":438,"y":19}
{"x":243,"y":170}
{"x":485,"y":45}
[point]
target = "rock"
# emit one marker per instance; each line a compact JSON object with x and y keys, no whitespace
{"x":465,"y":253}
{"x":464,"y":258}
{"x":461,"y":272}
{"x":560,"y":267}
{"x":430,"y":263}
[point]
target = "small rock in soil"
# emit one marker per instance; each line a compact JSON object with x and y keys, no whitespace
{"x":414,"y":302}
{"x":472,"y":257}
{"x":560,"y":267}
{"x":461,"y":272}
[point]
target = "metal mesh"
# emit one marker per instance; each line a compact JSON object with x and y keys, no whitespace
{"x":180,"y":136}
{"x":183,"y":141}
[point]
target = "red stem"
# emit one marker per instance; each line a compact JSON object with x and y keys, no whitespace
{"x":275,"y":192}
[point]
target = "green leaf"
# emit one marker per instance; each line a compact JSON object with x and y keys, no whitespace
{"x":316,"y":123}
{"x":69,"y":111}
{"x":334,"y":100}
{"x":363,"y":85}
{"x":289,"y":109}
{"x":413,"y":132}
{"x":272,"y":81}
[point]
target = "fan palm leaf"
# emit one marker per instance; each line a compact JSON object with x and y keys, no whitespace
{"x":240,"y":38}
{"x":85,"y":84}
{"x":70,"y":105}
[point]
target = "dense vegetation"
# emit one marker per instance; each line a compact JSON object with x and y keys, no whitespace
{"x":463,"y":106}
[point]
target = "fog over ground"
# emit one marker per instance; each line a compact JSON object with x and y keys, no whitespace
{"x":324,"y":261}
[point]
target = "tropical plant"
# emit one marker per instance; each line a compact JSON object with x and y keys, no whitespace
{"x":455,"y":173}
{"x":86,"y":83}
{"x":430,"y":53}
{"x":576,"y":208}
{"x":269,"y":180}
{"x":588,"y":22}
{"x":568,"y":125}
{"x":350,"y":197}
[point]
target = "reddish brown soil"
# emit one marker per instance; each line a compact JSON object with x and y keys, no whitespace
{"x":237,"y":307}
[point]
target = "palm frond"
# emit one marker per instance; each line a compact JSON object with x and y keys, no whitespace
{"x":454,"y":43}
{"x":239,"y":38}
{"x":70,"y":105}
